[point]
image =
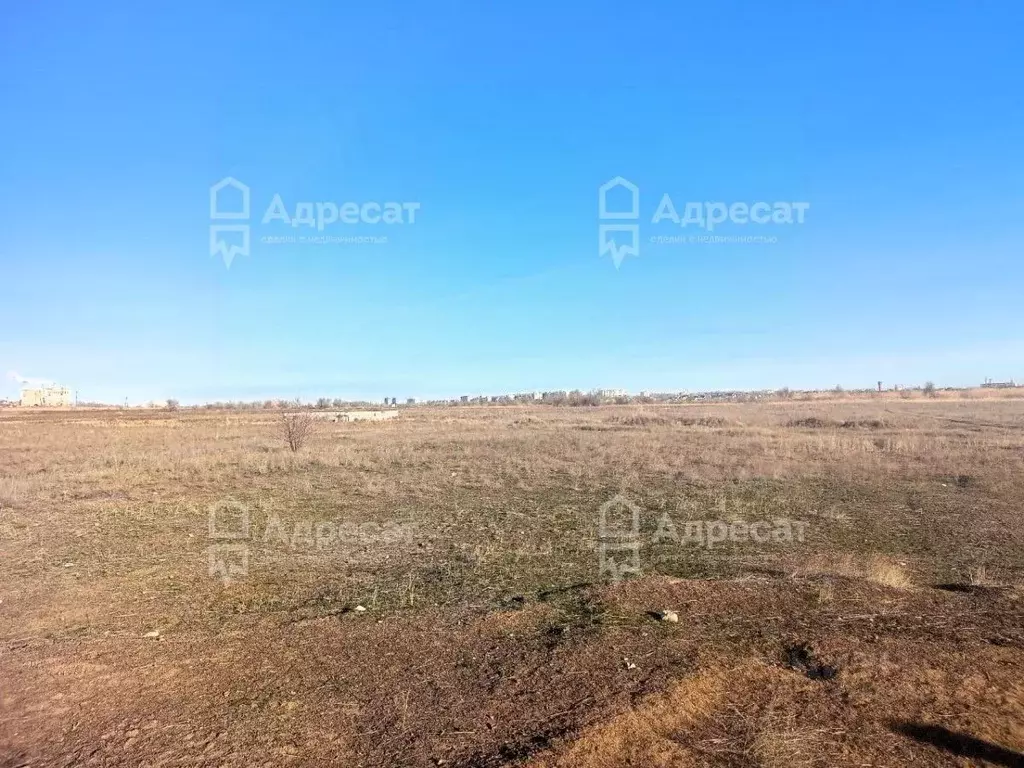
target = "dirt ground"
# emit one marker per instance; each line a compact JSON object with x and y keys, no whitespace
{"x":487,"y":586}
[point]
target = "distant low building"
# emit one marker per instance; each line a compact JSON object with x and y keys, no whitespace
{"x":345,"y":416}
{"x":989,"y":384}
{"x":49,"y":397}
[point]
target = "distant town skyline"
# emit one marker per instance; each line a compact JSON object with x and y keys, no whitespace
{"x":38,"y":386}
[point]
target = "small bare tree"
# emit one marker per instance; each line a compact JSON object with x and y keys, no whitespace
{"x":296,"y":428}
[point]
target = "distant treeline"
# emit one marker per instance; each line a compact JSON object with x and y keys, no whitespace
{"x":572,"y":399}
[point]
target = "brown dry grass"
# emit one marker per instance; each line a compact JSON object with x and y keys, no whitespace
{"x":875,"y":568}
{"x":646,"y":734}
{"x":488,"y":649}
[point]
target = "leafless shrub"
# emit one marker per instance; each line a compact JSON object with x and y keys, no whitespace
{"x":980,"y":577}
{"x":296,"y":428}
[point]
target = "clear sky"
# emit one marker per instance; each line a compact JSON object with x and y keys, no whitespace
{"x":901,"y":124}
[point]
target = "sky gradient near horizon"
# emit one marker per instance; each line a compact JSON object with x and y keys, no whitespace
{"x":900,"y":124}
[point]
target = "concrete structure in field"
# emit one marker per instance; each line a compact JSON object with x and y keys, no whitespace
{"x":355,"y":415}
{"x":48,"y":397}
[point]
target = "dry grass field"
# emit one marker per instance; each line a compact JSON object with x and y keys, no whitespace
{"x":180,"y":589}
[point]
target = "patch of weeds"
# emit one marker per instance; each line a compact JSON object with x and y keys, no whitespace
{"x":862,"y":424}
{"x":800,"y":657}
{"x":576,"y":614}
{"x":812,"y":422}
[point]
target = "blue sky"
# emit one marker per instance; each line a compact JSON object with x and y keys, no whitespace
{"x":901,"y":125}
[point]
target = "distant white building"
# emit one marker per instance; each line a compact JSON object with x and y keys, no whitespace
{"x":48,"y":396}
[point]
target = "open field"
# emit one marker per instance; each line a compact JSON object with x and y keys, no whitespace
{"x":857,"y":597}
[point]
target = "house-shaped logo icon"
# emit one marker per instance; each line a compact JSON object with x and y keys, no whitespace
{"x":217,"y":205}
{"x":634,"y":199}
